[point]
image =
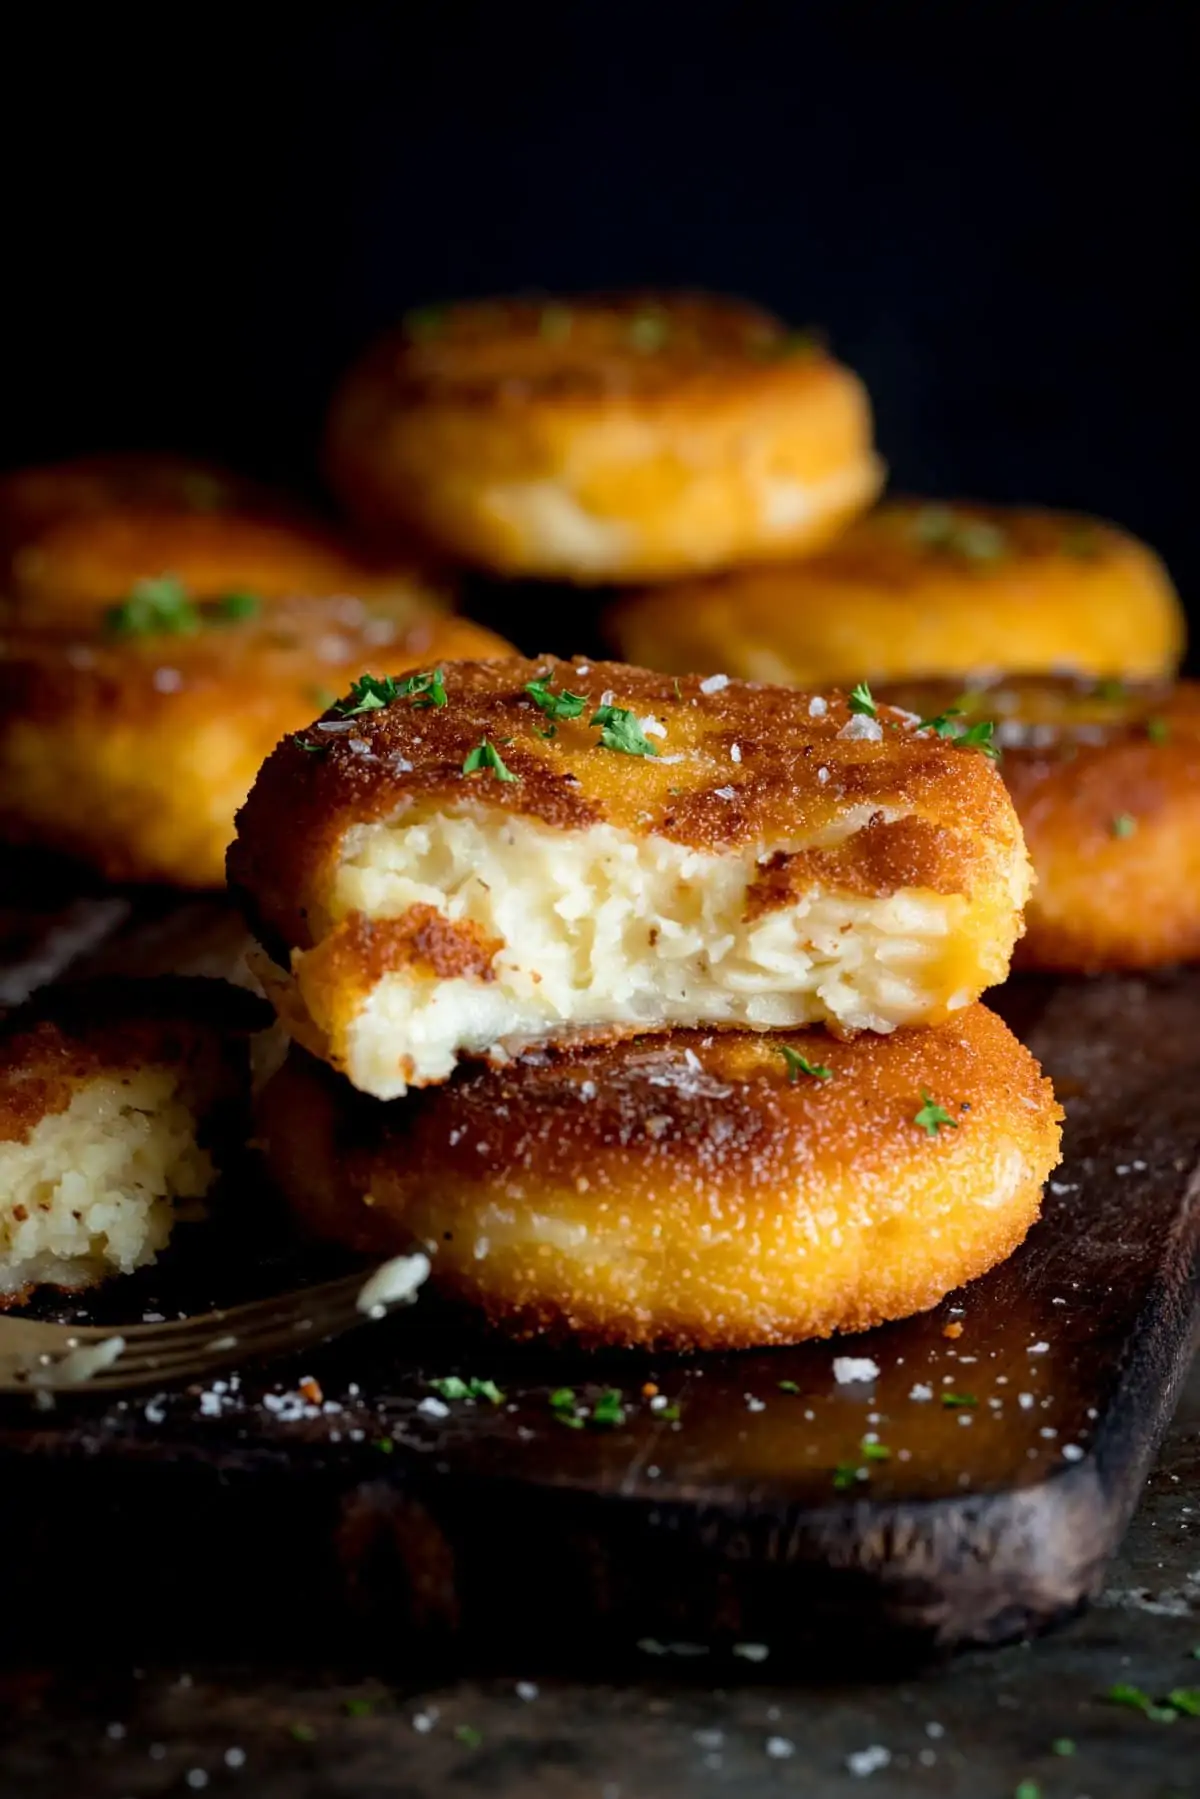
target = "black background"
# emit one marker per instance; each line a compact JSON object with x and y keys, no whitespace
{"x":990,"y":208}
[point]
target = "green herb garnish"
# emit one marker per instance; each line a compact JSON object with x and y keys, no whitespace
{"x":1136,"y":1700}
{"x":359,"y":1708}
{"x":1158,"y":730}
{"x":1111,"y":688}
{"x":554,"y":323}
{"x":620,"y":730}
{"x":968,"y":737}
{"x":648,"y":331}
{"x":787,"y":1386}
{"x":1185,"y":1700}
{"x":486,"y":755}
{"x":844,"y":1476}
{"x":157,"y":604}
{"x":608,"y":1409}
{"x":1123,"y":825}
{"x":452,"y":1386}
{"x":668,"y":1413}
{"x":931,"y":1116}
{"x":370,"y":693}
{"x":231,"y":607}
{"x":798,"y":1065}
{"x":468,"y":1736}
{"x":302,"y":1733}
{"x":1027,"y":1789}
{"x":958,"y":1402}
{"x":384,"y":1445}
{"x":562,"y":1404}
{"x":859,"y":700}
{"x":556,"y":705}
{"x":874,"y":1452}
{"x":1063,"y":1746}
{"x":425,"y":689}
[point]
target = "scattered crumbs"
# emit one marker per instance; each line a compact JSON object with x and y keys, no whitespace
{"x":735,"y":752}
{"x":867,"y":1761}
{"x":952,"y":1330}
{"x":921,"y":1391}
{"x":235,"y":1757}
{"x":927,"y":1757}
{"x":196,"y":1778}
{"x":822,"y":776}
{"x":850,"y":1368}
{"x":1038,"y":1348}
{"x":1058,"y":1188}
{"x":817,"y":707}
{"x":708,"y":1739}
{"x":755,"y":1405}
{"x":423,"y":1722}
{"x":527,"y":1690}
{"x":1048,"y":1431}
{"x":725,"y":793}
{"x":1025,"y":1401}
{"x":779,"y":1748}
{"x":934,"y":1729}
{"x":752,"y":1652}
{"x":714,"y":683}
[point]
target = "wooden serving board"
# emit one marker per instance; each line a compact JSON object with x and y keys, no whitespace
{"x":214,"y":1518}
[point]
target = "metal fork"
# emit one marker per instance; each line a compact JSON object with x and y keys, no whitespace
{"x":68,"y":1358}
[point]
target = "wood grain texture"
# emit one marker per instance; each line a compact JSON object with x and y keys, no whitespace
{"x":497,"y":1524}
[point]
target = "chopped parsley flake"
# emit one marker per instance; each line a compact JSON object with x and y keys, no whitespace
{"x":452,"y":1386}
{"x":958,"y":1402}
{"x":1123,"y":825}
{"x":369,"y":694}
{"x":1063,"y":1746}
{"x":787,"y":1386}
{"x":620,"y":730}
{"x":859,"y":700}
{"x":1185,"y":1700}
{"x":1110,"y":689}
{"x":359,"y":1708}
{"x":385,"y":1446}
{"x":648,"y":332}
{"x":302,"y":1733}
{"x":1138,"y":1701}
{"x":486,"y":755}
{"x":844,"y":1476}
{"x":931,"y":1116}
{"x":310,"y":749}
{"x":424,"y":689}
{"x":940,"y":528}
{"x":157,"y":604}
{"x":668,"y":1413}
{"x":874,"y":1452}
{"x":798,"y":1065}
{"x":968,"y":737}
{"x":562,"y":1403}
{"x":608,"y":1409}
{"x":468,"y":1736}
{"x":1027,"y":1789}
{"x":1158,"y":730}
{"x":235,"y":606}
{"x":554,"y":323}
{"x":556,"y":705}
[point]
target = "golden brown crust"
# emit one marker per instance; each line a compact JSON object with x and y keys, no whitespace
{"x":1106,"y":779}
{"x":920,"y":588}
{"x":693,"y":791}
{"x":70,"y":1036}
{"x":132,"y":750}
{"x":689,"y":1190}
{"x":631,"y":435}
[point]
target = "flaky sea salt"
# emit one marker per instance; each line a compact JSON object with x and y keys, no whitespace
{"x":848,"y":1368}
{"x":714,"y":683}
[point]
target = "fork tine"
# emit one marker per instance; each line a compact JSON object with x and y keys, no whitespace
{"x":225,"y":1349}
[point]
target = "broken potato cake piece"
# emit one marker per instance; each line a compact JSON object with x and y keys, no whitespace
{"x":496,"y":854}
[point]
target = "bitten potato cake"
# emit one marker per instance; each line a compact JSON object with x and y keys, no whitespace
{"x":161,"y":627}
{"x":636,"y":437}
{"x":536,"y":848}
{"x":1106,"y":779}
{"x":691,"y":1191}
{"x":920,"y":588}
{"x":117,"y":1101}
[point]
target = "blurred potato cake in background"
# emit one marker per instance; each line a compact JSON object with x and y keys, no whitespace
{"x":639,"y":437}
{"x":687,"y":1190}
{"x":162,"y":625}
{"x":922,"y":588}
{"x":1105,"y":776}
{"x":527,"y":849}
{"x":119,"y":1101}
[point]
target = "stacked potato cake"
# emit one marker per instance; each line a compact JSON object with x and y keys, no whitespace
{"x":647,"y":1005}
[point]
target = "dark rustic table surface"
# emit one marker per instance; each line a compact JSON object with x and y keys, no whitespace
{"x":986,"y":1726}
